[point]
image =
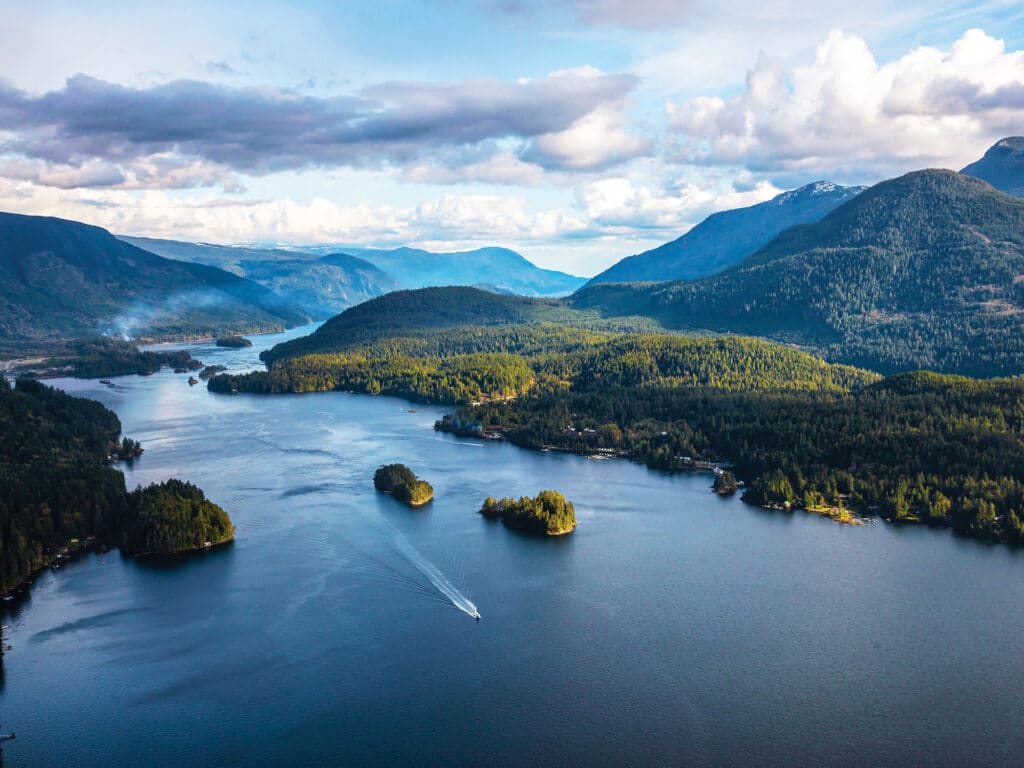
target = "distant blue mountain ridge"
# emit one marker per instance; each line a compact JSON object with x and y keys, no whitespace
{"x":726,"y":238}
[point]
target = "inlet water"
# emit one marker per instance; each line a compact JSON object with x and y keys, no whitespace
{"x":438,"y":579}
{"x":671,"y":628}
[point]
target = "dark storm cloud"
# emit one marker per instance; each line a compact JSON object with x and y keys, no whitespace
{"x":266,"y":130}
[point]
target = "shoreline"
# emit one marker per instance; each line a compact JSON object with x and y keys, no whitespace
{"x":521,"y":529}
{"x":67,"y":555}
{"x":840,"y":515}
{"x":413,"y":504}
{"x":93,"y":546}
{"x":853,"y":517}
{"x":208,"y":546}
{"x":35,"y":355}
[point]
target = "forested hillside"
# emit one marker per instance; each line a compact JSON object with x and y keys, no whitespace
{"x":420,"y":311}
{"x":800,"y":432}
{"x":472,"y":363}
{"x":923,"y":271}
{"x":61,"y":279}
{"x":916,"y":447}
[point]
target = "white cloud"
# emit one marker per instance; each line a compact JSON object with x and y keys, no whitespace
{"x":597,"y":140}
{"x":847,"y":113}
{"x":618,"y":203}
{"x":462,"y":218}
{"x":614,"y":215}
{"x":499,"y":167}
{"x":155,"y":172}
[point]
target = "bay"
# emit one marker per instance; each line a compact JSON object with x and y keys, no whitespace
{"x":672,"y":627}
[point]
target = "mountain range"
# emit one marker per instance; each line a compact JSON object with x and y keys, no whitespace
{"x":922,"y":271}
{"x":325,"y":279}
{"x":321,"y":285}
{"x":926,"y":270}
{"x":60,"y":279}
{"x":728,"y":237}
{"x":499,"y":269}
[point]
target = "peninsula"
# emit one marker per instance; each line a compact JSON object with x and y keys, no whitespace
{"x":59,"y":494}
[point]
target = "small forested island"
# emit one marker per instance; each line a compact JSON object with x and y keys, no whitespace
{"x":233,"y":341}
{"x":58,"y":492}
{"x":548,"y":513}
{"x":103,"y":356}
{"x":402,"y":483}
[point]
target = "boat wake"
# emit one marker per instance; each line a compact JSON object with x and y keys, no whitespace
{"x":436,"y":587}
{"x":438,"y":579}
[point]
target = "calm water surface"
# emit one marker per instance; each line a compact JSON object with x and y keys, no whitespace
{"x":672,"y":627}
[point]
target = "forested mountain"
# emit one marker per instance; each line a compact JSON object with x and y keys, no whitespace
{"x":506,"y":270}
{"x":61,"y":279}
{"x":728,"y":237}
{"x":1002,"y":166}
{"x":469,"y":363}
{"x":922,"y":271}
{"x":425,"y":309}
{"x":321,"y":285}
{"x":325,"y":286}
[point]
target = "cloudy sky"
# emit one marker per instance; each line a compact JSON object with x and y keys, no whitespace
{"x":575,"y":131}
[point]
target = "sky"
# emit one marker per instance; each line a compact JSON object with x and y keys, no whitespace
{"x":577,"y":132}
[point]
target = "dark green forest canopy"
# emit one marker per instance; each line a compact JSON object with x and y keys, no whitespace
{"x":56,"y":484}
{"x":800,"y":432}
{"x":481,"y":362}
{"x":99,"y":356}
{"x":233,"y":341}
{"x":548,"y":513}
{"x":427,"y":311}
{"x":402,"y":483}
{"x":925,"y":270}
{"x":173,"y":517}
{"x":922,"y":271}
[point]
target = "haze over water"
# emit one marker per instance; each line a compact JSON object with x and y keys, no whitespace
{"x":672,"y":627}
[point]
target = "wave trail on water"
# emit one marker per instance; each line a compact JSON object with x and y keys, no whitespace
{"x":438,"y":579}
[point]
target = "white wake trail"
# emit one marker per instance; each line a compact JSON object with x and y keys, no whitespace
{"x":437,"y":578}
